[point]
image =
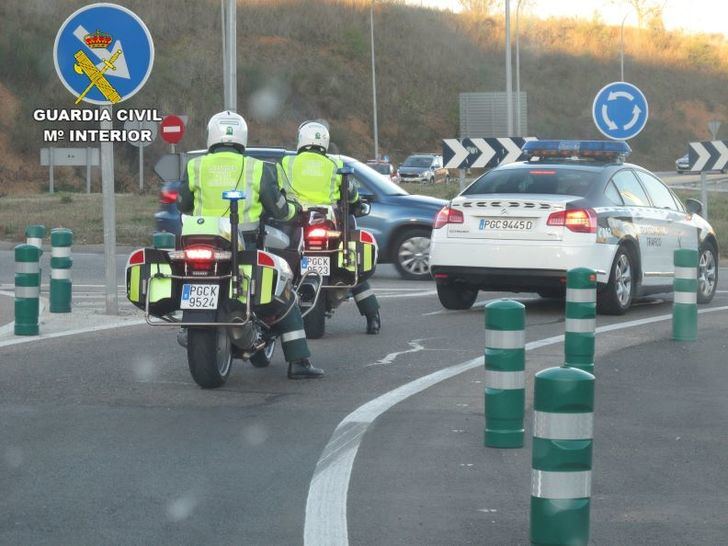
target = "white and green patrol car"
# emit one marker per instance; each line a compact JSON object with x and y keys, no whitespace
{"x":521,"y":227}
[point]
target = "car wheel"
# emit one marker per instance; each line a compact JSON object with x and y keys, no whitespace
{"x":707,"y":272}
{"x":617,"y":296}
{"x":412,"y":254}
{"x":456,"y":296}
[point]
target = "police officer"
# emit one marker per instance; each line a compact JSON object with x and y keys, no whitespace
{"x":312,"y":179}
{"x":225,"y":168}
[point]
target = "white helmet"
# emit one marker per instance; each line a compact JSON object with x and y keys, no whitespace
{"x":312,"y":134}
{"x":227,"y":128}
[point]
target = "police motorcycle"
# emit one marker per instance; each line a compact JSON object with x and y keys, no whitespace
{"x":227,"y":301}
{"x":334,"y":258}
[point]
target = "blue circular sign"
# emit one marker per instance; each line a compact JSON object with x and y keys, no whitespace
{"x":103,"y":53}
{"x":620,"y":111}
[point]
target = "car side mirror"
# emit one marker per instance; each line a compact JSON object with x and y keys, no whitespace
{"x":693,"y":206}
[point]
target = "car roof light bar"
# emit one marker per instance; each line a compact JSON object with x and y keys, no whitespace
{"x":610,"y":150}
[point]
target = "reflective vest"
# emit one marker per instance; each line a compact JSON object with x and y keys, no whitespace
{"x":312,"y":178}
{"x":211,"y":174}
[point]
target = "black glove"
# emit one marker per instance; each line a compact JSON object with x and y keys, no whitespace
{"x":357,"y":209}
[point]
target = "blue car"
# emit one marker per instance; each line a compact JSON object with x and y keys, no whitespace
{"x":401,"y":223}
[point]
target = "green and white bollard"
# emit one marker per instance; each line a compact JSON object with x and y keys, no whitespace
{"x":163,"y":240}
{"x":581,"y":318}
{"x":685,"y":295}
{"x":27,"y":289}
{"x":505,"y":376}
{"x":562,"y":456}
{"x":34,"y":236}
{"x":61,"y":262}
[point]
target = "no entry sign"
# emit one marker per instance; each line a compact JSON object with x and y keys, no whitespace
{"x":172,"y":129}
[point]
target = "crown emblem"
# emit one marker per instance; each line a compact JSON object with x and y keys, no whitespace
{"x":97,"y":40}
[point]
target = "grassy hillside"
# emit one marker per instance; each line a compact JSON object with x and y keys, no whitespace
{"x":310,"y":59}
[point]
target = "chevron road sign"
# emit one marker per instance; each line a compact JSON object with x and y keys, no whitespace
{"x":481,"y":153}
{"x":708,"y":156}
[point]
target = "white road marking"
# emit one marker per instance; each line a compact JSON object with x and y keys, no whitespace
{"x":43,"y":337}
{"x":416,"y":347}
{"x":325,"y":521}
{"x":413,"y":295}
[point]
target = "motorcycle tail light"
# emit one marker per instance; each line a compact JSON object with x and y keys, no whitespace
{"x":366,"y":237}
{"x":199,"y":258}
{"x":265,"y":259}
{"x":137,"y":257}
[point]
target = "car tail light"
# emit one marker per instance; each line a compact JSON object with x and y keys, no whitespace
{"x":168,"y":197}
{"x":137,"y":257}
{"x":448,"y":215}
{"x":366,"y":237}
{"x":265,"y":259}
{"x":577,"y":220}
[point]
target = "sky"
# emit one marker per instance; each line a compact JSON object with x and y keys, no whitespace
{"x":710,"y":16}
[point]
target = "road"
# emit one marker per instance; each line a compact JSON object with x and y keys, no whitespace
{"x":107,"y":439}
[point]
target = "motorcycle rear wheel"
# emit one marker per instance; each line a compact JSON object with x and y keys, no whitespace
{"x":209,"y":356}
{"x":314,"y":322}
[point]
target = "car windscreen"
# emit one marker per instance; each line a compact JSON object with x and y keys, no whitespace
{"x":382,"y":184}
{"x":417,"y":161}
{"x":534,"y":179}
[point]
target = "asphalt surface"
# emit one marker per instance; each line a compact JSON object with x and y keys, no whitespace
{"x":106,"y":439}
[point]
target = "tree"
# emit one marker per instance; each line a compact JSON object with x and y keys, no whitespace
{"x":648,"y":11}
{"x":480,"y":7}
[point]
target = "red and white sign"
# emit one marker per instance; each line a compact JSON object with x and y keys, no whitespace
{"x":172,"y":129}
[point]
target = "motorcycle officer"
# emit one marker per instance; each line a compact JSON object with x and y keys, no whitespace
{"x":225,"y":167}
{"x":312,"y":180}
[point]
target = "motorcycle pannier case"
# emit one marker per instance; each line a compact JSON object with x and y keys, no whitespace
{"x":363,"y":251}
{"x":271,"y":277}
{"x":144,"y":272}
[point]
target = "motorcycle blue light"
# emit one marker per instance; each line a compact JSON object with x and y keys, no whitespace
{"x":233,"y":195}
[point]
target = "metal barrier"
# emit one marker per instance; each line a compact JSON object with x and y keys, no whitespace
{"x":685,"y":298}
{"x":61,"y":262}
{"x":27,"y":289}
{"x":581,"y":318}
{"x":562,"y":456}
{"x":505,"y":376}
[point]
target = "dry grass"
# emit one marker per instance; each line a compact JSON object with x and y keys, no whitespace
{"x":80,"y":213}
{"x":303,"y":59}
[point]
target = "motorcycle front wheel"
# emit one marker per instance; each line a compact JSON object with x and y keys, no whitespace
{"x":209,"y":356}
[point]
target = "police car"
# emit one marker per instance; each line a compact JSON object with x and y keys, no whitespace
{"x":521,"y":227}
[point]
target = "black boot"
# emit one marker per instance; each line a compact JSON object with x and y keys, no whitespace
{"x":374,"y":323}
{"x":303,"y":369}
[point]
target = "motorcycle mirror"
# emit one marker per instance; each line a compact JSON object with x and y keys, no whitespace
{"x":345,"y":170}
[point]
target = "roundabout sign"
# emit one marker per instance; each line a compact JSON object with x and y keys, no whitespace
{"x":620,"y":111}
